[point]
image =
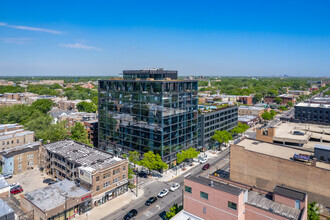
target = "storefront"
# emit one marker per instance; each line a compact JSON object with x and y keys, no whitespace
{"x":121,"y":188}
{"x":76,"y":210}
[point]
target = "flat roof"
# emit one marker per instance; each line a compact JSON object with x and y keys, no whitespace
{"x":246,"y":118}
{"x":217,"y":185}
{"x":323,"y":147}
{"x":10,"y":152}
{"x":82,"y":154}
{"x":275,"y":150}
{"x":251,"y":108}
{"x":290,"y":192}
{"x":5,"y":209}
{"x":312,"y":105}
{"x":3,"y":182}
{"x":54,"y":195}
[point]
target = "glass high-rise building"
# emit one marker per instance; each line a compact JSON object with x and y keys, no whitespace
{"x":148,"y":110}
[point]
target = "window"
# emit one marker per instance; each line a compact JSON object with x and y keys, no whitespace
{"x":204,"y":195}
{"x":297,"y":204}
{"x":187,"y":189}
{"x":106,"y":175}
{"x":19,"y":166}
{"x":106,"y":184}
{"x":97,"y":178}
{"x":124,"y":167}
{"x":232,"y":205}
{"x":31,"y":163}
{"x":19,"y":159}
{"x":17,"y":141}
{"x":124,"y":176}
{"x":204,"y":210}
{"x":116,"y":171}
{"x":97,"y":188}
{"x":28,"y":156}
{"x":31,"y":156}
{"x":115,"y":180}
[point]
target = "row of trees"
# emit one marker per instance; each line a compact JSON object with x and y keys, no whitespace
{"x":224,"y":136}
{"x":35,"y":118}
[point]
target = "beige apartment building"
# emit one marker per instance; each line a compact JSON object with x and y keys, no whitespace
{"x":105,"y":175}
{"x":251,"y":110}
{"x":12,"y":135}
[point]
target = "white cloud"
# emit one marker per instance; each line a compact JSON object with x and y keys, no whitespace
{"x":30,"y":28}
{"x":80,"y":46}
{"x":20,"y":40}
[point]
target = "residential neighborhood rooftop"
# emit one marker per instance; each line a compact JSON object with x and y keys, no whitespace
{"x":82,"y":154}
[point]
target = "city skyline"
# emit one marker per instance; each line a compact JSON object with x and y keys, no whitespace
{"x":217,"y":38}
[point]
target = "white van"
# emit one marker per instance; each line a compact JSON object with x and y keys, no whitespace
{"x":203,"y":160}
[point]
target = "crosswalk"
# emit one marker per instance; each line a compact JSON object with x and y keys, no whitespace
{"x":144,"y":184}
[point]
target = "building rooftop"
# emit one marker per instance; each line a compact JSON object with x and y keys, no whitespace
{"x":246,"y":118}
{"x":54,"y":195}
{"x":262,"y":202}
{"x":205,"y":109}
{"x":3,"y":182}
{"x":10,"y":152}
{"x":5,"y":209}
{"x":183,"y":215}
{"x":290,"y":193}
{"x":313,"y":105}
{"x":217,"y":185}
{"x":323,"y":147}
{"x":276,"y":150}
{"x":82,"y":154}
{"x":251,"y":108}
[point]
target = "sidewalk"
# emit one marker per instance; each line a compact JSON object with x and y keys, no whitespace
{"x":111,"y":206}
{"x":173,"y":173}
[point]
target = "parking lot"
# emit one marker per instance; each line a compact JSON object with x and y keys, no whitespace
{"x":29,"y":180}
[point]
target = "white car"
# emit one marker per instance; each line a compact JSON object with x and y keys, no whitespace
{"x":163,"y":193}
{"x":175,"y":186}
{"x":13,"y":184}
{"x":203,"y":160}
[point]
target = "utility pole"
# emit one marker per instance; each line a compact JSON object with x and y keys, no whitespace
{"x":137,"y":180}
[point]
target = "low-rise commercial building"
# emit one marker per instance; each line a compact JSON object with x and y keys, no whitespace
{"x":19,"y":159}
{"x":249,"y":120}
{"x":212,"y":199}
{"x":105,"y":175}
{"x":246,"y":100}
{"x":285,"y":99}
{"x":265,"y":165}
{"x":312,"y":113}
{"x":251,"y":110}
{"x":62,"y":200}
{"x":213,"y":118}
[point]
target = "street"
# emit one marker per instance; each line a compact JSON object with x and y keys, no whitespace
{"x":158,"y":209}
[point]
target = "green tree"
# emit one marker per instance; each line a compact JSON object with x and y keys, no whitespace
{"x":152,"y":161}
{"x":130,"y":173}
{"x":267,"y":116}
{"x":134,"y":157}
{"x":89,"y":107}
{"x":290,"y":103}
{"x":222,"y":136}
{"x":191,"y":153}
{"x":278,"y":100}
{"x":180,"y":158}
{"x":272,"y":112}
{"x":273,"y":92}
{"x":175,"y":209}
{"x":43,"y":105}
{"x":78,"y":133}
{"x":257,"y":97}
{"x":313,"y":211}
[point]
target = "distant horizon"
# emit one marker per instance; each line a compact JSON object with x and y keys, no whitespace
{"x":215,"y":37}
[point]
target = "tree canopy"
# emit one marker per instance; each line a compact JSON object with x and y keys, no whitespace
{"x":152,"y":161}
{"x":222,"y":136}
{"x":43,"y":105}
{"x":84,"y":106}
{"x":313,"y":211}
{"x":78,"y":133}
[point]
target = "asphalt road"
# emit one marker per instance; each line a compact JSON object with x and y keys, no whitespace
{"x":158,"y":209}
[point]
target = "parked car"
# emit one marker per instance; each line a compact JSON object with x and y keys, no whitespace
{"x":203,"y":160}
{"x":151,"y":200}
{"x":298,"y":133}
{"x":52,"y":182}
{"x":13,"y":185}
{"x":206,"y":166}
{"x":7,"y":176}
{"x":48,"y":180}
{"x":143,"y":174}
{"x":16,"y":190}
{"x":131,"y":214}
{"x":175,"y":186}
{"x":163,"y":193}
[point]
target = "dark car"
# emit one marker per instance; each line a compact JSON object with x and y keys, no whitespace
{"x":206,"y":166}
{"x":143,"y":174}
{"x":52,"y":182}
{"x":131,"y":214}
{"x":16,"y":190}
{"x":298,"y":133}
{"x":151,"y":200}
{"x":48,"y":180}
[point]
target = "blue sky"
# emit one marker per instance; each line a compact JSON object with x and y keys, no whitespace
{"x":268,"y":37}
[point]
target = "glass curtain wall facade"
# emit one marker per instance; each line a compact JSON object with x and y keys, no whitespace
{"x":147,"y":114}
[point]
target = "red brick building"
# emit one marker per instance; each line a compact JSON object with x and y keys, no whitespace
{"x":211,"y":199}
{"x":246,"y":100}
{"x":285,"y":99}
